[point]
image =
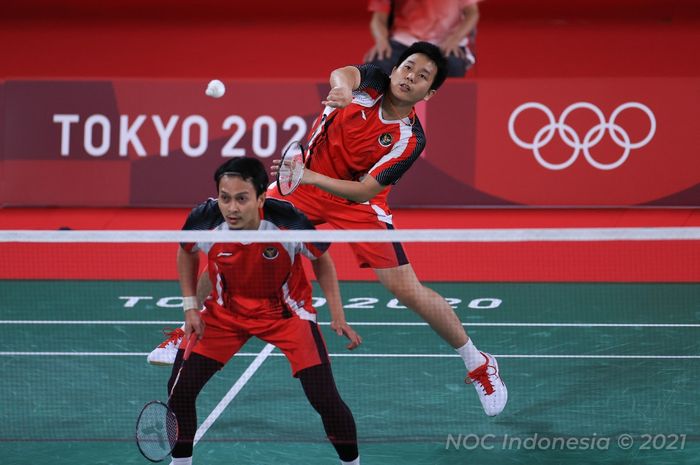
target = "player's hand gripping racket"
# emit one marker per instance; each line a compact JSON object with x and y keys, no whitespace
{"x":291,"y":168}
{"x":156,"y":427}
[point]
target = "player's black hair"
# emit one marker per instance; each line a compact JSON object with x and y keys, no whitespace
{"x":248,"y":169}
{"x":434,"y":53}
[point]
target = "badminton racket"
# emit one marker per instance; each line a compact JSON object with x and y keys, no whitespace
{"x":291,"y":168}
{"x":157,"y":428}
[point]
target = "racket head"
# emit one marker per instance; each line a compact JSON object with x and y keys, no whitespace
{"x":291,"y":168}
{"x":156,"y":431}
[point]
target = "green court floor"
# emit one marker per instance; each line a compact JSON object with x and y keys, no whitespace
{"x":597,"y":373}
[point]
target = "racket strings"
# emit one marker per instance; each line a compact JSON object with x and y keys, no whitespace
{"x":291,"y":169}
{"x":157,"y":431}
{"x":157,"y":427}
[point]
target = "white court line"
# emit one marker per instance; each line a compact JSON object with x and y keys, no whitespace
{"x":370,"y":323}
{"x":359,"y":355}
{"x":233,"y":392}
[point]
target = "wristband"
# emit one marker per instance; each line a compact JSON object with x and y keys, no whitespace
{"x":189,"y":303}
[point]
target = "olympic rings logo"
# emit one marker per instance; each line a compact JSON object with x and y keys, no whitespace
{"x":571,"y":138}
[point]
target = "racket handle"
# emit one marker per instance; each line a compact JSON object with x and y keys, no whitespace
{"x":191,"y":342}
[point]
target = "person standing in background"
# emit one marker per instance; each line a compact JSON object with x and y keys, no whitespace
{"x":449,"y":24}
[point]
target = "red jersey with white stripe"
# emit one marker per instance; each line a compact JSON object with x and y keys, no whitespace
{"x":352,"y":142}
{"x":257,"y":280}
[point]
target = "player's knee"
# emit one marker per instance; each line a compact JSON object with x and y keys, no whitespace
{"x":408,"y":296}
{"x":182,"y":394}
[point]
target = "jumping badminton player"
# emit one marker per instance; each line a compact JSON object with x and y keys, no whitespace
{"x":367,"y":137}
{"x":258,"y":290}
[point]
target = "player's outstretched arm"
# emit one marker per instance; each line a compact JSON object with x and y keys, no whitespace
{"x":324,"y":268}
{"x":343,"y":81}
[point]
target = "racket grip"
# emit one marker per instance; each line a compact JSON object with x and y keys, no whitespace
{"x":191,"y":342}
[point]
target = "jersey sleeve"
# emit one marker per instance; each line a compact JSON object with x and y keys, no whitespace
{"x":204,"y":217}
{"x":285,"y":216}
{"x":311,"y":250}
{"x":389,"y":169}
{"x":372,"y":78}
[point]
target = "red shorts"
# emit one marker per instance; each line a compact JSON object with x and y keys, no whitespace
{"x":321,"y":207}
{"x":225,"y":333}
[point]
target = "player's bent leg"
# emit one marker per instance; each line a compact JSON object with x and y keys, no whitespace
{"x":193,"y":377}
{"x":338,"y":422}
{"x":434,"y":309}
{"x":428,"y":304}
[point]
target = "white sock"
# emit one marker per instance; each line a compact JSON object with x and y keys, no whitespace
{"x":471,"y":356}
{"x":354,"y":462}
{"x":181,"y":461}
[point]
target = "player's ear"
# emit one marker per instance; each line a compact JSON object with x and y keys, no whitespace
{"x":429,"y":95}
{"x":261,"y":199}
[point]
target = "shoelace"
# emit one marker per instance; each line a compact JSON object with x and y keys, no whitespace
{"x":481,"y":375}
{"x":172,"y":335}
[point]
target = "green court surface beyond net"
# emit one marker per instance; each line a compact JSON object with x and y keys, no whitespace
{"x":597,"y":373}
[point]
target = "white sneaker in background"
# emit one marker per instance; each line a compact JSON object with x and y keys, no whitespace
{"x":165,"y":353}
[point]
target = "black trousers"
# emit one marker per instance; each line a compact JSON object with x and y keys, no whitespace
{"x":317,"y":382}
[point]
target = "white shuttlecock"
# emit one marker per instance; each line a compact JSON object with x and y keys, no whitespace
{"x":215,"y":89}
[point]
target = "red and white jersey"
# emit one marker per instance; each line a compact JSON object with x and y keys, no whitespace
{"x":352,"y":142}
{"x":257,"y":280}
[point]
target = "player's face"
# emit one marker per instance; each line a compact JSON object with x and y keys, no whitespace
{"x":411,"y":79}
{"x":238,"y":203}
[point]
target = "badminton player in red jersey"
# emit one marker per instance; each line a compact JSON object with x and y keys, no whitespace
{"x":367,"y":137}
{"x":258,"y":290}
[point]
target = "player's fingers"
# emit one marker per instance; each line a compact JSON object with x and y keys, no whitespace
{"x":335,"y":103}
{"x":355,"y":339}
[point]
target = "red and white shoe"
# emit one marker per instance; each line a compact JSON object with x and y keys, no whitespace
{"x":165,"y":353}
{"x":493,"y":393}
